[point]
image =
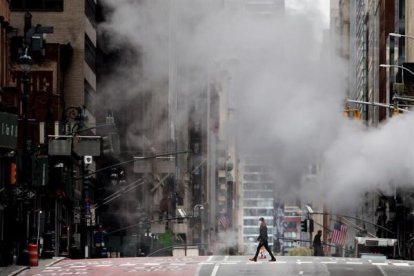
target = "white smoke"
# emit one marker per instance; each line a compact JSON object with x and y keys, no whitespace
{"x":288,"y":87}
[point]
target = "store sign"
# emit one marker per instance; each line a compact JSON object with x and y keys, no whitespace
{"x":8,"y":130}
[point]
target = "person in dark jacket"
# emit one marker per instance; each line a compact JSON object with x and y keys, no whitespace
{"x":317,"y":244}
{"x":262,"y":239}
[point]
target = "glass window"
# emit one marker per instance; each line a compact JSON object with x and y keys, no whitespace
{"x":37,"y":5}
{"x":90,"y":53}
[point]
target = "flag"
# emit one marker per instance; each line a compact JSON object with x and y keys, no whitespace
{"x":339,"y":234}
{"x":223,"y":221}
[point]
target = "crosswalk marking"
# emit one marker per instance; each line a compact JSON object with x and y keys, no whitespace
{"x":401,"y":264}
{"x":329,"y":262}
{"x":380,"y":264}
{"x":354,"y":263}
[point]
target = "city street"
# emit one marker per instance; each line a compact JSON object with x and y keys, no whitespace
{"x":225,"y":265}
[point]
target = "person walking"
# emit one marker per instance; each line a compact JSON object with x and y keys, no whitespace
{"x":317,"y":244}
{"x":262,"y":239}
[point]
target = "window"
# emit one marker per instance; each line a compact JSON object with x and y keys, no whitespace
{"x":37,"y":5}
{"x":90,"y":10}
{"x":90,"y":54}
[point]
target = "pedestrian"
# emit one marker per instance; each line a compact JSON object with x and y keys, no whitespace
{"x":262,"y":239}
{"x":317,"y":244}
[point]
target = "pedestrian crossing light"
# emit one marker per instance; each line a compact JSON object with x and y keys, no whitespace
{"x":304,"y":225}
{"x":395,"y":112}
{"x":13,"y":174}
{"x":352,"y":113}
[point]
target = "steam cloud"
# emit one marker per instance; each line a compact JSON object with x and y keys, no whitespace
{"x":288,"y":87}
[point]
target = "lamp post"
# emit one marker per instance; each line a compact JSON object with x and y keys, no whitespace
{"x":197,"y":209}
{"x":397,"y":66}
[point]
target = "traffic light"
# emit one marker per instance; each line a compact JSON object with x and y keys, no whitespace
{"x":352,"y":113}
{"x":111,"y":144}
{"x":13,"y":174}
{"x":311,"y":228}
{"x":395,"y":112}
{"x":304,"y":225}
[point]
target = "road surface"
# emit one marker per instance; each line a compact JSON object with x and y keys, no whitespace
{"x":225,"y":266}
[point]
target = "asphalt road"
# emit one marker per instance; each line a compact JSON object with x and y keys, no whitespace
{"x":225,"y":266}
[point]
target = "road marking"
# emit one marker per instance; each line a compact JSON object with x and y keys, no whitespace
{"x":304,"y":262}
{"x":152,"y":264}
{"x":401,"y":264}
{"x":300,"y":272}
{"x":127,"y":264}
{"x":77,"y":266}
{"x":380,"y":264}
{"x":355,"y":263}
{"x":210,"y":258}
{"x":382,"y":271}
{"x":278,"y":262}
{"x":329,"y":262}
{"x":228,"y":263}
{"x":225,"y":258}
{"x":102,"y":265}
{"x":177,"y":263}
{"x":215,"y":269}
{"x":206,"y":263}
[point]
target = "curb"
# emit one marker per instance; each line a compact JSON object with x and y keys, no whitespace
{"x":56,"y":261}
{"x":18,"y":271}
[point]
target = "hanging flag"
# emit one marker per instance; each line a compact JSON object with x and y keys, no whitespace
{"x":339,"y":234}
{"x":223,"y":221}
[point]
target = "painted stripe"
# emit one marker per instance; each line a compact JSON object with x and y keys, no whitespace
{"x":215,"y":269}
{"x":380,"y":264}
{"x":382,"y":271}
{"x":401,"y":264}
{"x":300,"y":272}
{"x":355,"y":263}
{"x":206,"y":263}
{"x":329,"y":262}
{"x":152,"y":264}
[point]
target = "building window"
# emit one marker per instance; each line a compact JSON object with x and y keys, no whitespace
{"x":90,"y":53}
{"x":37,"y":5}
{"x":90,"y":10}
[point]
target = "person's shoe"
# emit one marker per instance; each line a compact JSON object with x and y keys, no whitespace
{"x":253,"y":259}
{"x":272,"y":260}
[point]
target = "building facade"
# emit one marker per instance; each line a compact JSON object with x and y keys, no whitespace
{"x":56,"y":40}
{"x":377,"y":30}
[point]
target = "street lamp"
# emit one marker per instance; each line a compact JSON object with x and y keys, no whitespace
{"x":400,"y":35}
{"x":397,"y":66}
{"x":25,"y":61}
{"x":196,"y":209}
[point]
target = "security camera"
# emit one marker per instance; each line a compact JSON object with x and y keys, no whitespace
{"x":88,"y":159}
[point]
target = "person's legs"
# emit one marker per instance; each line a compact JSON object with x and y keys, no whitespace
{"x":268,"y":250}
{"x":257,"y":252}
{"x":258,"y":249}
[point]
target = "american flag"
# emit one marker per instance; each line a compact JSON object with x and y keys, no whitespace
{"x":223,"y":221}
{"x":339,"y":234}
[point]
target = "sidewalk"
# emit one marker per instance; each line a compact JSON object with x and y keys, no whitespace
{"x":13,"y":270}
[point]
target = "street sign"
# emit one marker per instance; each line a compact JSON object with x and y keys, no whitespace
{"x":8,"y":130}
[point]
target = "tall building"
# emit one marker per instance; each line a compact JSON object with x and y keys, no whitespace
{"x":53,"y":100}
{"x":256,"y":200}
{"x":376,"y":34}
